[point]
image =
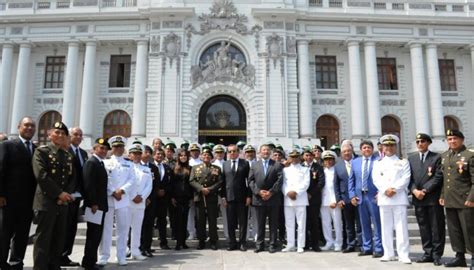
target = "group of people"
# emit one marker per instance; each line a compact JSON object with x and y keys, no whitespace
{"x":313,"y":199}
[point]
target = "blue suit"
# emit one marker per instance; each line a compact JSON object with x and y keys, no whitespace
{"x":368,"y":208}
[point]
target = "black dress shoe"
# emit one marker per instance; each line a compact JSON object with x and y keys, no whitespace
{"x":456,"y":262}
{"x":377,"y":255}
{"x":316,"y":249}
{"x":68,"y":263}
{"x":365,"y":253}
{"x":259,"y":249}
{"x":94,"y":267}
{"x":272,"y":250}
{"x":231,"y":248}
{"x":147,"y":254}
{"x":437,"y":261}
{"x":201,"y":245}
{"x":185,"y":246}
{"x":214,"y":246}
{"x":348,"y":250}
{"x":425,"y":259}
{"x":243,"y":248}
{"x":166,"y":247}
{"x":152,"y":250}
{"x":177,"y":247}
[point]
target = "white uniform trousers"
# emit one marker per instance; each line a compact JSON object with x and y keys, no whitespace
{"x":191,"y":226}
{"x":122,"y":227}
{"x":136,"y":221}
{"x":298,"y":212}
{"x":252,"y":229}
{"x":329,"y":215}
{"x":395,"y":217}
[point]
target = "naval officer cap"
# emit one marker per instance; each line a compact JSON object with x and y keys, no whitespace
{"x":317,"y":147}
{"x":423,"y":136}
{"x":103,"y":142}
{"x":61,"y":126}
{"x":194,"y":147}
{"x":389,"y":139}
{"x":249,"y":148}
{"x":117,"y":141}
{"x":328,"y":154}
{"x":240,"y":144}
{"x":454,"y":132}
{"x":135,"y":148}
{"x":219,"y":148}
{"x":294,"y":153}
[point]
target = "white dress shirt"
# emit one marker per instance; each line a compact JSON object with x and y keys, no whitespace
{"x":392,"y":172}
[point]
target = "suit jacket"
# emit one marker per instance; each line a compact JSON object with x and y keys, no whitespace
{"x":355,"y":179}
{"x":235,"y":185}
{"x":316,"y":183}
{"x":155,"y":176}
{"x":272,"y":182}
{"x":79,"y":167}
{"x":95,"y":184}
{"x":342,"y":182}
{"x":423,"y":177}
{"x":165,"y":181}
{"x":17,"y":181}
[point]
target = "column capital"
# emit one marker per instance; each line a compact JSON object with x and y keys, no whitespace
{"x":25,"y":43}
{"x":415,"y":44}
{"x":353,"y":42}
{"x":302,"y":42}
{"x":432,"y":45}
{"x":141,"y":41}
{"x":90,"y":42}
{"x":9,"y":44}
{"x":73,"y":42}
{"x":370,"y":42}
{"x":472,"y":47}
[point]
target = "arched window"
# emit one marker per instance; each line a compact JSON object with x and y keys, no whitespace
{"x":327,"y":130}
{"x":45,"y":123}
{"x":117,"y":122}
{"x":450,"y":123}
{"x":390,"y":125}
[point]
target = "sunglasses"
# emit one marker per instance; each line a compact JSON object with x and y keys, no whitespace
{"x":420,"y":141}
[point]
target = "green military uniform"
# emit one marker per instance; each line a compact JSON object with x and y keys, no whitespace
{"x":458,"y":187}
{"x":54,"y":171}
{"x":206,"y":176}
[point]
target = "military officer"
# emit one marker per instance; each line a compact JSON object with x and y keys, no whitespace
{"x":54,"y":171}
{"x":206,"y":179}
{"x":195,"y":152}
{"x":457,"y":196}
{"x":170,"y":149}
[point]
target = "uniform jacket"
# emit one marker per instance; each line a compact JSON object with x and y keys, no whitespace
{"x":296,"y":178}
{"x":423,"y":176}
{"x":316,"y":183}
{"x":235,"y":184}
{"x":95,"y":184}
{"x":355,"y":178}
{"x":272,"y":182}
{"x":329,"y":192}
{"x":209,"y":177}
{"x":121,"y":176}
{"x":392,"y":172}
{"x":142,"y":186}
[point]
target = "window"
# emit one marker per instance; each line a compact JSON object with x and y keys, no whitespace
{"x":119,"y":71}
{"x":387,"y":73}
{"x":117,"y":122}
{"x":54,"y":75}
{"x":450,"y":123}
{"x":327,"y":130}
{"x":45,"y":123}
{"x":326,"y":72}
{"x":390,"y":125}
{"x":447,"y":75}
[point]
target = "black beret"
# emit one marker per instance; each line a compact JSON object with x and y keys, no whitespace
{"x":423,"y":136}
{"x":102,"y":141}
{"x":61,"y":126}
{"x":454,"y":132}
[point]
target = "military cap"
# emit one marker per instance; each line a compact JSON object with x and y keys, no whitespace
{"x":207,"y":150}
{"x":279,"y":146}
{"x":219,"y":148}
{"x":240,"y":144}
{"x":328,"y":154}
{"x":296,"y":146}
{"x":249,"y":148}
{"x":194,"y":147}
{"x":205,"y":146}
{"x":389,"y":139}
{"x":136,"y":141}
{"x":318,"y":148}
{"x":294,"y":153}
{"x":279,"y":151}
{"x":335,"y":147}
{"x":307,"y":149}
{"x":135,"y":148}
{"x":184,"y":144}
{"x":170,"y":145}
{"x":269,"y":144}
{"x":102,"y":141}
{"x":61,"y":126}
{"x":147,"y":148}
{"x":454,"y":132}
{"x":423,"y":136}
{"x":117,"y":141}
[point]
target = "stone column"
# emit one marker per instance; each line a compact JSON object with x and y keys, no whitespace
{"x":20,"y":96}
{"x":373,"y":99}
{"x":305,"y":100}
{"x":357,"y":94}
{"x":434,"y":82}
{"x":88,"y":90}
{"x":5,"y":86}
{"x":422,"y":120}
{"x":139,"y":95}
{"x":70,"y":83}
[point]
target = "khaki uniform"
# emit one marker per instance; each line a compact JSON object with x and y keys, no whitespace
{"x":54,"y":171}
{"x":457,"y":170}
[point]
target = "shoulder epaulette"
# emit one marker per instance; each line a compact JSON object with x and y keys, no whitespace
{"x":471,"y":150}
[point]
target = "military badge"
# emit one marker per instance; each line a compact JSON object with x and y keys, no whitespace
{"x":215,"y":171}
{"x":315,"y":174}
{"x":53,"y":171}
{"x":430,"y":169}
{"x":460,"y":164}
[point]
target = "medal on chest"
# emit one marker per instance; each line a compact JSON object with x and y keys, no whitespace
{"x":430,"y":171}
{"x":460,"y":164}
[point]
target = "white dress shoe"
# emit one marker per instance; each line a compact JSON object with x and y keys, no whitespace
{"x":405,"y":260}
{"x":327,"y":247}
{"x":300,"y":250}
{"x":102,"y":263}
{"x":387,"y":259}
{"x":122,"y":262}
{"x":288,"y":249}
{"x":337,"y":249}
{"x":139,"y":257}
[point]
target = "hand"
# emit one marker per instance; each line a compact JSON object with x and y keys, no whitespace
{"x":355,"y":201}
{"x":341,"y":204}
{"x":390,"y":192}
{"x":174,"y":202}
{"x":333,"y":205}
{"x":205,"y":191}
{"x":469,"y":204}
{"x":441,"y":202}
{"x":268,"y":196}
{"x":161,"y":193}
{"x":138,"y":199}
{"x":248,"y":201}
{"x":224,"y":203}
{"x":419,"y":194}
{"x":65,"y":197}
{"x":262,"y":193}
{"x":292,"y":195}
{"x":3,"y":201}
{"x":94,"y":208}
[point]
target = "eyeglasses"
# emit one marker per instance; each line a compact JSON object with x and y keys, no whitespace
{"x":420,"y":141}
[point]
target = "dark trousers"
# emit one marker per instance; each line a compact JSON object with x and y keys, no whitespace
{"x":50,"y":238}
{"x":148,"y":225}
{"x":14,"y":233}
{"x":181,"y":221}
{"x":71,"y":227}
{"x":352,"y":226}
{"x":171,"y":217}
{"x":313,"y":226}
{"x":432,"y":229}
{"x":281,"y":224}
{"x":209,"y":212}
{"x":237,"y":214}
{"x":272,"y":212}
{"x":161,"y":214}
{"x":461,"y":229}
{"x":93,"y":237}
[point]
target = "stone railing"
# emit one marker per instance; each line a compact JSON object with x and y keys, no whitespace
{"x":22,"y":6}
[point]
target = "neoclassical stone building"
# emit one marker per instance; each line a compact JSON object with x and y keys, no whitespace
{"x":291,"y":71}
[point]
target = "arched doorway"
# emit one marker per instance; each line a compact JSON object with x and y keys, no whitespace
{"x":45,"y":123}
{"x":222,"y":119}
{"x":117,"y":122}
{"x":450,"y":123}
{"x":327,"y":130}
{"x":390,"y":125}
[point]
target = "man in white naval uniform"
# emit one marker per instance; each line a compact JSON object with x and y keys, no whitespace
{"x":295,"y":186}
{"x":121,"y":180}
{"x":219,"y":154}
{"x":194,"y":160}
{"x":391,"y":176}
{"x":138,"y":195}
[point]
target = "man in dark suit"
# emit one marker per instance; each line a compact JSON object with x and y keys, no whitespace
{"x":17,"y":188}
{"x":363,"y":192}
{"x":236,"y":196}
{"x":265,"y":181}
{"x":163,"y":187}
{"x":80,"y":157}
{"x":352,"y":224}
{"x":95,"y":198}
{"x":426,"y":190}
{"x":316,"y":185}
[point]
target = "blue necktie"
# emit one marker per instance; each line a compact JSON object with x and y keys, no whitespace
{"x":265,"y":166}
{"x":366,"y":175}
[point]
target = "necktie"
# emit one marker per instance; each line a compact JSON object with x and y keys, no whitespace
{"x":422,"y":158}
{"x":366,"y":175}
{"x":348,"y":167}
{"x":233,"y":167}
{"x":78,"y":156}
{"x":265,"y":166}
{"x":27,"y":143}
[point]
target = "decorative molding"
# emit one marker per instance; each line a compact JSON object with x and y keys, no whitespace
{"x":274,"y":48}
{"x":291,"y":46}
{"x":393,"y":102}
{"x":155,"y":25}
{"x":329,"y":101}
{"x":171,"y":47}
{"x":82,"y":28}
{"x":453,"y":103}
{"x":273,"y":25}
{"x":289,"y":26}
{"x":16,"y":31}
{"x":172,"y":24}
{"x":154,"y":44}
